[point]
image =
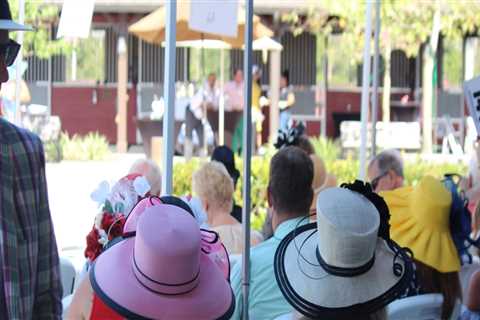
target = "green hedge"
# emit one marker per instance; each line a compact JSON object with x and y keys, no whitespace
{"x":346,"y":170}
{"x":93,"y":146}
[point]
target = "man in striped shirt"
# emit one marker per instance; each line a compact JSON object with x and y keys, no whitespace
{"x":30,"y":286}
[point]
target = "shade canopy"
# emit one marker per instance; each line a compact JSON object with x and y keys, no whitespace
{"x":151,"y":28}
{"x":264,"y":43}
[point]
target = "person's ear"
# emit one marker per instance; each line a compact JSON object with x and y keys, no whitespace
{"x":269,"y":198}
{"x":205,"y":205}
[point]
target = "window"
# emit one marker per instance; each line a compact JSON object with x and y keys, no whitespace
{"x":86,"y":62}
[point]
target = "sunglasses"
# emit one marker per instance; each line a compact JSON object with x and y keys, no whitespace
{"x":9,"y":51}
{"x":375,"y":181}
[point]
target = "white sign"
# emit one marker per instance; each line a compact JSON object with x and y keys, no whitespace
{"x":390,"y":135}
{"x":471,"y":90}
{"x":76,"y":19}
{"x":214,"y":16}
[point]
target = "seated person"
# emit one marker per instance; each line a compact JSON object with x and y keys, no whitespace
{"x":115,"y":204}
{"x":385,"y":171}
{"x":158,"y":270}
{"x":214,"y":187}
{"x":225,"y":155}
{"x":321,"y":179}
{"x":472,"y":311}
{"x":289,"y":197}
{"x":296,"y":136}
{"x":420,"y":221}
{"x":150,"y":170}
{"x":344,"y":265}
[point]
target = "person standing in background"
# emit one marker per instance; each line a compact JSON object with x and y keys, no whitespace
{"x":287,"y":100}
{"x":207,"y":98}
{"x":233,"y":92}
{"x":30,"y":286}
{"x":257,"y":116}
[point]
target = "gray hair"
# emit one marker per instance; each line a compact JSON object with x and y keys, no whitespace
{"x":150,"y":170}
{"x":389,"y":160}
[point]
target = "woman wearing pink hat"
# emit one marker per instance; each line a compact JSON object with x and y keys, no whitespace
{"x":164,"y":268}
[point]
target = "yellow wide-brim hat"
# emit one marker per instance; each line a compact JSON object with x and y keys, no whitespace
{"x":420,"y":221}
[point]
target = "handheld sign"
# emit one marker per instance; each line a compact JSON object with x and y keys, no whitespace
{"x":75,"y":19}
{"x":471,"y":90}
{"x":214,"y":16}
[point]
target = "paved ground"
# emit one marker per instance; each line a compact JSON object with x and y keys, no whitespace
{"x":70,"y":184}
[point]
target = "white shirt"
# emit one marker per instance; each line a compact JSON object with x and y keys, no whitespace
{"x":233,"y":96}
{"x":206,"y":94}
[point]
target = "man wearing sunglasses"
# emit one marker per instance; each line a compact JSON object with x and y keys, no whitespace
{"x":30,"y":286}
{"x":385,"y":171}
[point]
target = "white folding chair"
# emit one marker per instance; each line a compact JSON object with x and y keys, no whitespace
{"x":68,"y":274}
{"x":422,"y":307}
{"x":66,"y":304}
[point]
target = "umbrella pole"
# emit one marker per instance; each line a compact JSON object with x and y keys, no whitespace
{"x":365,"y":87}
{"x":205,"y":119}
{"x":221,"y":112}
{"x":375,"y":78}
{"x":169,"y":93}
{"x":247,"y":152}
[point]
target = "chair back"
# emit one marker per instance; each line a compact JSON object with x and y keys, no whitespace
{"x":421,"y":307}
{"x":68,"y":274}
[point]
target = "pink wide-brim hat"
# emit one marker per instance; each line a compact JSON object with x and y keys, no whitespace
{"x":161,"y":272}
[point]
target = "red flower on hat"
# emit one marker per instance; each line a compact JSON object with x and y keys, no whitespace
{"x":94,"y":248}
{"x":116,"y":203}
{"x":113,"y":224}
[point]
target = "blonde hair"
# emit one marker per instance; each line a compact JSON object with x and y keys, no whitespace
{"x":213,"y":183}
{"x":150,"y":170}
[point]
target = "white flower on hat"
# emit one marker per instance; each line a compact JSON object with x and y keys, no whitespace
{"x":141,"y":186}
{"x":100,"y":194}
{"x":98,"y":220}
{"x":102,"y":237}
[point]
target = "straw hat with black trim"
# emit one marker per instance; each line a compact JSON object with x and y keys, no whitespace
{"x":339,"y":266}
{"x":420,"y":220}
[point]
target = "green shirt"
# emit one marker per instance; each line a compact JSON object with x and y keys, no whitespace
{"x":266,"y":301}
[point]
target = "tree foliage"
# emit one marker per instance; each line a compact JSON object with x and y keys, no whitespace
{"x":406,"y":23}
{"x":41,"y":17}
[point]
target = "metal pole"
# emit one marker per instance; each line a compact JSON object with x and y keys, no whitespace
{"x":169,"y":93}
{"x":139,"y":87}
{"x":221,"y":109}
{"x":247,"y":152}
{"x":18,"y":80}
{"x":365,"y":87}
{"x":275,"y":60}
{"x":122,"y":97}
{"x":323,"y":128}
{"x":375,"y":78}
